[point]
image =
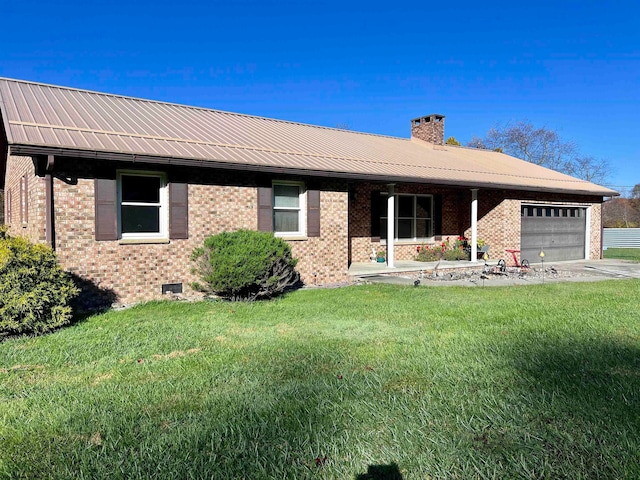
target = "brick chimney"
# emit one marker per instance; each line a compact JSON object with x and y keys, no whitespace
{"x":429,"y":128}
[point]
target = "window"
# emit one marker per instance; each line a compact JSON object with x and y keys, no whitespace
{"x":142,"y":201}
{"x":413,"y":215}
{"x":288,"y":209}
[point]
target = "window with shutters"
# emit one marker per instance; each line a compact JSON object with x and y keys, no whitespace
{"x":413,"y":217}
{"x":289,"y":207}
{"x":142,"y":205}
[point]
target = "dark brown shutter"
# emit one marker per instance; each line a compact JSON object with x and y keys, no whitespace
{"x":178,"y":210}
{"x":106,"y":209}
{"x":313,"y":213}
{"x":265,"y":210}
{"x":375,"y":216}
{"x":437,"y":216}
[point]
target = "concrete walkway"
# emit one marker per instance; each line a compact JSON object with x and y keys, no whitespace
{"x":406,"y":273}
{"x":404,"y":266}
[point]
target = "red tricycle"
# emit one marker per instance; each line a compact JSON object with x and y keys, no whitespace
{"x":502,"y":264}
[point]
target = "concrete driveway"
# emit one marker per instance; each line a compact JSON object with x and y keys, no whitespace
{"x":607,"y":268}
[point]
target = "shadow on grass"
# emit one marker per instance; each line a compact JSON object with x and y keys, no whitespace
{"x":271,"y":419}
{"x":381,"y":472}
{"x":92,"y":298}
{"x":583,"y":397}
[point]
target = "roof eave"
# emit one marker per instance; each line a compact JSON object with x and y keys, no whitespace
{"x":35,"y":150}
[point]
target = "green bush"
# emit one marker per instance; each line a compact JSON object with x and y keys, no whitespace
{"x":446,"y":250}
{"x":455,"y":254}
{"x":34,"y":290}
{"x":244,"y":265}
{"x":430,"y":254}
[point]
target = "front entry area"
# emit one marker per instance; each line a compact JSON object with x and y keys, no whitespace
{"x":557,"y":230}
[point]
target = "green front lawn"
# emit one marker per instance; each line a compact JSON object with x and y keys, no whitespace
{"x":623,"y":253}
{"x":521,"y":382}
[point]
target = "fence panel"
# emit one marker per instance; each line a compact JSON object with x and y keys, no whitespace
{"x":621,"y":238}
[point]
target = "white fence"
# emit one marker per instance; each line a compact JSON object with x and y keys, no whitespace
{"x":621,"y":238}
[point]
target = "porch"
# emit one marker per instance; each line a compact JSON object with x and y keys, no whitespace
{"x":366,"y":269}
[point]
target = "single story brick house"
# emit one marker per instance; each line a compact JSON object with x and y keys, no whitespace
{"x":124,"y":189}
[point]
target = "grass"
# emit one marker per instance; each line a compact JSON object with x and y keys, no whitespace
{"x":524,"y":382}
{"x":623,"y":253}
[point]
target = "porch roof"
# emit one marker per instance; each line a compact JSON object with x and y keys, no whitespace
{"x":42,"y":119}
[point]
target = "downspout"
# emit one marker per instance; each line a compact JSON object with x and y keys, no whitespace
{"x":474,"y":225}
{"x":50,"y":234}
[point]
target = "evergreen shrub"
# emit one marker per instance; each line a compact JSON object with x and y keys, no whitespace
{"x":34,"y":291}
{"x":244,"y":265}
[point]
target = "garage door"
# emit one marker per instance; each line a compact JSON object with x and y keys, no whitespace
{"x":559,"y":231}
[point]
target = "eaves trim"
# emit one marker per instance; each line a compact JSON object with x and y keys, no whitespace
{"x":33,"y":150}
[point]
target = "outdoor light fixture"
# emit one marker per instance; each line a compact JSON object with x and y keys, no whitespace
{"x":542,"y":260}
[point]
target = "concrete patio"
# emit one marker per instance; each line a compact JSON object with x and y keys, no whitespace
{"x":570,"y":271}
{"x":364,"y":269}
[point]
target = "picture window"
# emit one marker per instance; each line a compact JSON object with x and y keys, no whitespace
{"x":413,"y":215}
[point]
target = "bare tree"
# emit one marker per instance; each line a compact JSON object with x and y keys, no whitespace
{"x":477,"y":142}
{"x":620,"y":213}
{"x":544,"y":147}
{"x":589,"y":168}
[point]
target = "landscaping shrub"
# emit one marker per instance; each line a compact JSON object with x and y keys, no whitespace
{"x":447,"y":250}
{"x":34,"y":290}
{"x":245,"y":265}
{"x":429,"y":254}
{"x":455,"y":254}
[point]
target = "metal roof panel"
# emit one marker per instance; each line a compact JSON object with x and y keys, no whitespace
{"x":66,"y":118}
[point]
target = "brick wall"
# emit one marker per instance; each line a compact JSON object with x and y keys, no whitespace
{"x":221,"y":201}
{"x":27,"y":206}
{"x":218,"y":201}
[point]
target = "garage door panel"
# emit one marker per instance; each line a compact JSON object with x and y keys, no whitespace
{"x":561,"y":237}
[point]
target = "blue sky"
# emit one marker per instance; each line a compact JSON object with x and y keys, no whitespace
{"x":573,"y":66}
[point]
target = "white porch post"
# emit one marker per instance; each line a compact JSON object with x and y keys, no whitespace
{"x":474,"y":224}
{"x":587,"y":237}
{"x":391,"y":224}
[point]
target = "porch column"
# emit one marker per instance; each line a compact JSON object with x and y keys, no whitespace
{"x":391,"y":224}
{"x":474,"y":224}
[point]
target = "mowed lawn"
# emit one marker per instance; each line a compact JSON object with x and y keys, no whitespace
{"x":524,"y":382}
{"x":623,"y":253}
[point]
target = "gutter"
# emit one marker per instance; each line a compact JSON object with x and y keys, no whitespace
{"x":33,"y":150}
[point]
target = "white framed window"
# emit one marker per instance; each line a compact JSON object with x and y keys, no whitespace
{"x":413,"y":217}
{"x":142,"y":205}
{"x":289,"y":207}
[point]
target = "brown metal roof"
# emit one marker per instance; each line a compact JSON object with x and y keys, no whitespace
{"x":41,"y":118}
